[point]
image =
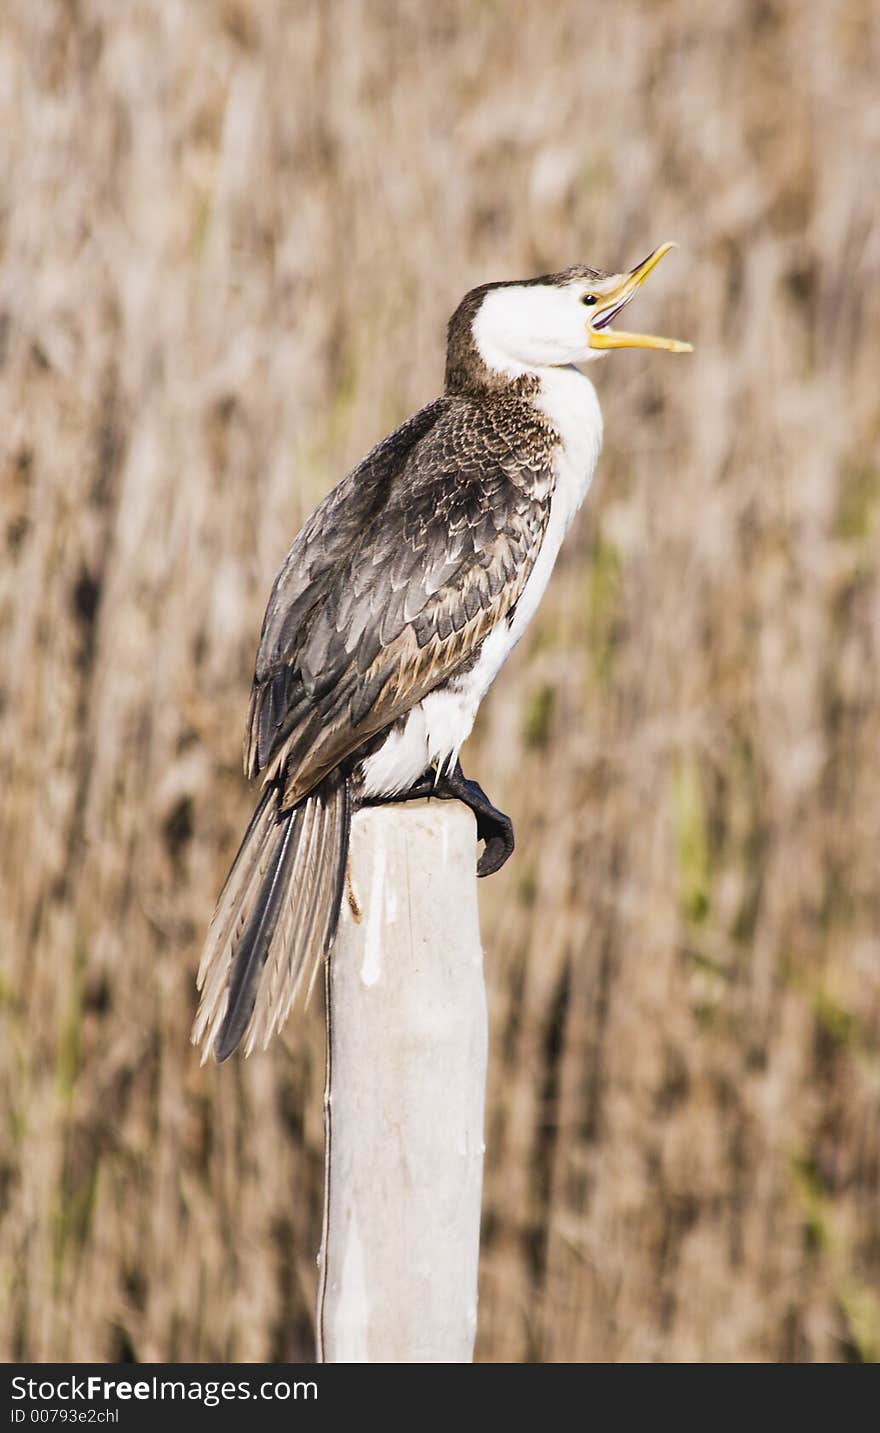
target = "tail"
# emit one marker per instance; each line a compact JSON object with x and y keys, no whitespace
{"x":276,"y":918}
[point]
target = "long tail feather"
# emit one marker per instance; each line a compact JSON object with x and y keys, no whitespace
{"x":275,"y":919}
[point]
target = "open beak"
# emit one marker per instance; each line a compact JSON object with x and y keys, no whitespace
{"x":624,"y":287}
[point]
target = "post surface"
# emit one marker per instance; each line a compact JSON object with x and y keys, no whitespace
{"x":407,"y":1048}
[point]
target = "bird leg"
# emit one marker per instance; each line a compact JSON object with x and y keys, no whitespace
{"x":493,"y":826}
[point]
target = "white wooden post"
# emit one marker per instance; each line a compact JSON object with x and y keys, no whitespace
{"x":406,"y":1079}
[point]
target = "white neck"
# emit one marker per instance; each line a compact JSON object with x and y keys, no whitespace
{"x":499,"y":362}
{"x":495,"y":359}
{"x":569,"y":400}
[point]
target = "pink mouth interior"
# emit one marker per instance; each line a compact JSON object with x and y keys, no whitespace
{"x":606,"y":318}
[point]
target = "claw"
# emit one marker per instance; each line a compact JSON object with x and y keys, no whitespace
{"x":493,"y":826}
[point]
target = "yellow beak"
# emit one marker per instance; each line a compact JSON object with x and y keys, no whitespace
{"x":623,"y":288}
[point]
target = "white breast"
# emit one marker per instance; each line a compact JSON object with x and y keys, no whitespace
{"x":569,"y":400}
{"x":436,"y":729}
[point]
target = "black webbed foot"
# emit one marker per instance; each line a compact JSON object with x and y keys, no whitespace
{"x":493,"y":826}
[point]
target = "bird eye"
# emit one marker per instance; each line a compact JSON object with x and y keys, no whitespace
{"x":589,"y":299}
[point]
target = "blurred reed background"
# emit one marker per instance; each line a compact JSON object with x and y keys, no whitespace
{"x":231,"y":234}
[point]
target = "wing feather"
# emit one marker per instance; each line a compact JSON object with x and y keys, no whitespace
{"x":394,"y":583}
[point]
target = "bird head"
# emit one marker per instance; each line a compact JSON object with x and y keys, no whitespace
{"x":559,"y":319}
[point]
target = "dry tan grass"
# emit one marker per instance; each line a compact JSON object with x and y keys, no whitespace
{"x":231,"y":234}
